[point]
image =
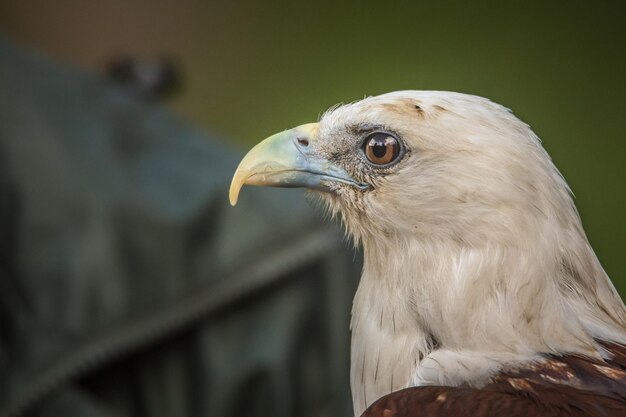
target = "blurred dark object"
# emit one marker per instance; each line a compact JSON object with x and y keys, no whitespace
{"x":129,"y":286}
{"x":155,"y":79}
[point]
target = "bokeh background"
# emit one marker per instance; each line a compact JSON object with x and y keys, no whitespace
{"x":251,"y":68}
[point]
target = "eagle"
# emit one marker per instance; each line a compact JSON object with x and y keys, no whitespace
{"x":480,"y":294}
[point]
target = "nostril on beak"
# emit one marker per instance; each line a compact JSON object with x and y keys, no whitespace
{"x":303,"y":141}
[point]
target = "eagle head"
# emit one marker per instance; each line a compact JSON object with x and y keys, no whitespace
{"x":418,"y":165}
{"x":475,"y":258}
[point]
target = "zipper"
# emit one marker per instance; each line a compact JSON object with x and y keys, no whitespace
{"x":154,"y":327}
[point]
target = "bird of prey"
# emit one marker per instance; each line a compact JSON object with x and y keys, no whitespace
{"x":480,"y":293}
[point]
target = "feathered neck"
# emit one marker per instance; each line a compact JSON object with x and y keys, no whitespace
{"x":548,"y":294}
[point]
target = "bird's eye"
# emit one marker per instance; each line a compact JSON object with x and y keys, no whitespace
{"x":381,"y":148}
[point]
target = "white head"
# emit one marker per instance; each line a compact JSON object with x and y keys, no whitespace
{"x":457,"y":204}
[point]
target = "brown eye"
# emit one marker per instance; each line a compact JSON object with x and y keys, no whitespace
{"x":381,"y":148}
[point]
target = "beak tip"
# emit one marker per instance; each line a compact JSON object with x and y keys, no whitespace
{"x":233,"y":194}
{"x":235,"y":188}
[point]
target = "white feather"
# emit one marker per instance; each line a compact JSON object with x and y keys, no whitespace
{"x":475,"y":256}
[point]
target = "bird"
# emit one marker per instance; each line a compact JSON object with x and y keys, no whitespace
{"x":480,"y":294}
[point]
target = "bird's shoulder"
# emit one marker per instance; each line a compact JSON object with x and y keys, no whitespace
{"x":567,"y":385}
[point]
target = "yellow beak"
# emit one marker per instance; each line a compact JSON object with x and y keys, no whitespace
{"x":288,"y":159}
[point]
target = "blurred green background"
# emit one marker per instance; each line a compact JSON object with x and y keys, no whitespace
{"x":252,"y":68}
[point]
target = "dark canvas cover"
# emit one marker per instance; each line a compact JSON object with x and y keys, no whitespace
{"x":129,"y":286}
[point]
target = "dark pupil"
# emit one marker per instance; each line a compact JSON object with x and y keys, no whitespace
{"x":379,"y":148}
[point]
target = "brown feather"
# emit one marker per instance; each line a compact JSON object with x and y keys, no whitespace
{"x":559,"y":386}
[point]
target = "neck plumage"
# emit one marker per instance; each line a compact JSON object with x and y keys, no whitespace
{"x":417,"y":296}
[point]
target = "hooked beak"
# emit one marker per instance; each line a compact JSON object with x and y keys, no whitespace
{"x":287,"y":159}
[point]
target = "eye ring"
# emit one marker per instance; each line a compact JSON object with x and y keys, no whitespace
{"x":382,"y":149}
